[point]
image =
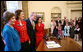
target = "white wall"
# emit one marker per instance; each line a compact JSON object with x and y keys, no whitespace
{"x":76,"y":14}
{"x":46,"y":7}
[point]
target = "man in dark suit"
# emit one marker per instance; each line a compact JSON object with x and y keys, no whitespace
{"x":58,"y":21}
{"x":80,"y":25}
{"x":76,"y":21}
{"x":65,"y":18}
{"x":30,"y":22}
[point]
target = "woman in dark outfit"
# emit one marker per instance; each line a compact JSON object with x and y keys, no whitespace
{"x":72,"y":27}
{"x":55,"y":31}
{"x":80,"y":26}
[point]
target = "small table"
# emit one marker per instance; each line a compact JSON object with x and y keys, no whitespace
{"x":68,"y":44}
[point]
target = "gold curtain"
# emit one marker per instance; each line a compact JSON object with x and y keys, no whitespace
{"x":25,"y":8}
{"x":3,"y":9}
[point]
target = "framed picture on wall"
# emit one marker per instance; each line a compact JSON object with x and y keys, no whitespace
{"x":41,"y":14}
{"x":55,"y":15}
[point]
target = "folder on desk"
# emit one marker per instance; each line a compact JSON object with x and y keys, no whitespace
{"x":52,"y":44}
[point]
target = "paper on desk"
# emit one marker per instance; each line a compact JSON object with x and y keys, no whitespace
{"x":52,"y":44}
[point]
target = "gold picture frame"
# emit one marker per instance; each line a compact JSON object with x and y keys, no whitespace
{"x":41,"y":14}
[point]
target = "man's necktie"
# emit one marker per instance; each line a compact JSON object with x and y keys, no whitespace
{"x":33,"y":24}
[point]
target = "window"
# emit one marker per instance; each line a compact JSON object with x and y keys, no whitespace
{"x":12,"y":6}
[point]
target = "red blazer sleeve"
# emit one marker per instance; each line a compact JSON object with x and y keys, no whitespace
{"x":43,"y":29}
{"x":22,"y":30}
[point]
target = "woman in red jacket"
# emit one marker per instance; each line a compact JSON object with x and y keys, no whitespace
{"x":20,"y":26}
{"x":39,"y":31}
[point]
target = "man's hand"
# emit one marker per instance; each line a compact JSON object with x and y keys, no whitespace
{"x":4,"y":42}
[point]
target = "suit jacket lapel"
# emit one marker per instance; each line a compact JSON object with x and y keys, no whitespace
{"x":30,"y":23}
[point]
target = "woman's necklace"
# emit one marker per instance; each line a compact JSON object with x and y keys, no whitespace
{"x":20,"y":23}
{"x":39,"y":24}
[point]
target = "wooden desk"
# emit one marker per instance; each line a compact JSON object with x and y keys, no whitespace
{"x":67,"y":44}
